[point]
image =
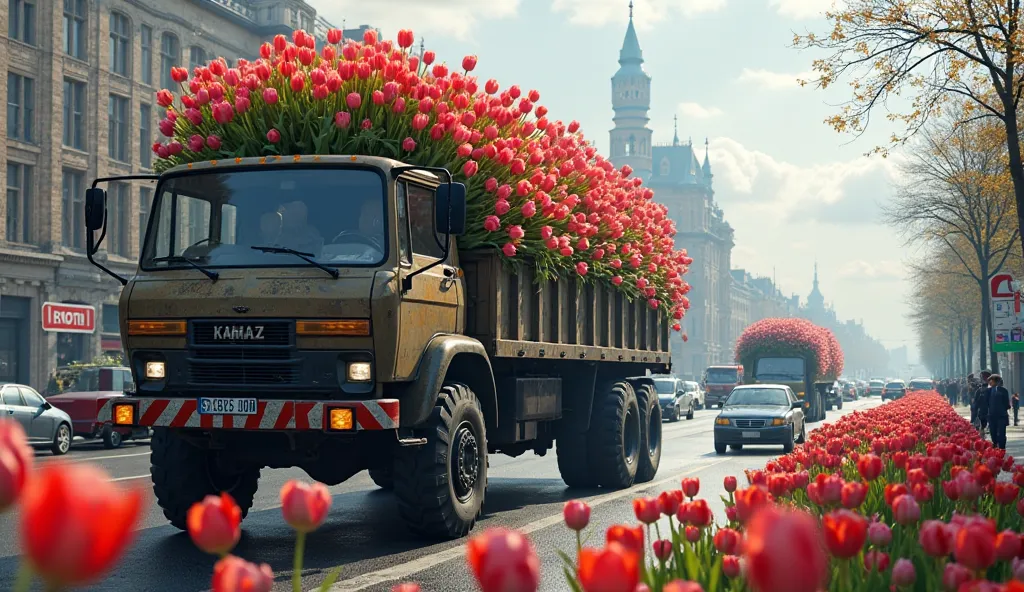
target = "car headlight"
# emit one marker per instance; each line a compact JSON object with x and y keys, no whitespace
{"x":722,"y":421}
{"x":779,"y":421}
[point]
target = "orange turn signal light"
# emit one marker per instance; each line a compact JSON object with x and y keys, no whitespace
{"x":124,"y":414}
{"x":352,"y":328}
{"x":340,"y":419}
{"x":164,"y":328}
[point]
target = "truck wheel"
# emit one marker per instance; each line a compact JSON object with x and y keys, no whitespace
{"x":650,"y":433}
{"x":184,"y":474}
{"x":441,"y":484}
{"x":615,"y":435}
{"x":573,"y":461}
{"x":111,"y":438}
{"x":383,"y":478}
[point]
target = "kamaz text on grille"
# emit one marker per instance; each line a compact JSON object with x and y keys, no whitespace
{"x":237,"y":333}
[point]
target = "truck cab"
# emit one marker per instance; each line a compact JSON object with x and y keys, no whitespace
{"x":793,"y":371}
{"x":719,"y":381}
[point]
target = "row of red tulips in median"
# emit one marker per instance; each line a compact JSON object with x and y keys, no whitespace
{"x":536,"y":187}
{"x":905,"y":496}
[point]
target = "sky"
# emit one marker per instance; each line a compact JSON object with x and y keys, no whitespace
{"x":794,"y":190}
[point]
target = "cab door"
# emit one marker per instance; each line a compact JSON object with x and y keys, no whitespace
{"x":431,"y":306}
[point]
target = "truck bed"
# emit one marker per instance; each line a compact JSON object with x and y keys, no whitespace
{"x":514,"y":316}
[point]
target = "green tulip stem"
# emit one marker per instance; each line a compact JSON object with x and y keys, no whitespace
{"x":300,"y":549}
{"x":23,"y":581}
{"x":579,"y":546}
{"x":844,"y":575}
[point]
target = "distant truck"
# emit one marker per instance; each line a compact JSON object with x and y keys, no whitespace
{"x":719,"y":381}
{"x":408,"y":359}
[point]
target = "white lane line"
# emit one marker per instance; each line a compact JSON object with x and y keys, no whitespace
{"x":146,"y":476}
{"x":98,"y":458}
{"x":405,"y":570}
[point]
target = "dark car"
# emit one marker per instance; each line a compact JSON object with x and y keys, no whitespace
{"x":875,"y":387}
{"x":675,"y":399}
{"x":893,"y":390}
{"x":921,"y":384}
{"x":760,"y":414}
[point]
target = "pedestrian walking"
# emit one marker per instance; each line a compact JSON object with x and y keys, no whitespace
{"x":998,"y":406}
{"x":979,"y":404}
{"x":1015,"y":403}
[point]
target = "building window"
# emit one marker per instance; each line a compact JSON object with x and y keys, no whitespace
{"x":74,"y":28}
{"x":118,"y":205}
{"x":295,"y":17}
{"x":170,"y":54}
{"x":73,"y":230}
{"x":19,"y":202}
{"x":110,"y":323}
{"x":145,"y":135}
{"x":21,"y":102}
{"x":196,"y":57}
{"x":147,"y":54}
{"x":665,"y":167}
{"x":120,"y":44}
{"x":145,"y":203}
{"x":74,"y":114}
{"x":117,"y":128}
{"x":21,"y":21}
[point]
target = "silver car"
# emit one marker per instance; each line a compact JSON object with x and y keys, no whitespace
{"x":43,"y":423}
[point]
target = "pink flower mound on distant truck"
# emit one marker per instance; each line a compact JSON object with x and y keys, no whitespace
{"x":787,"y":334}
{"x":536,"y":189}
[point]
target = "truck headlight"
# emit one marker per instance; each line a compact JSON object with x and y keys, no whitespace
{"x":359,"y":372}
{"x":155,"y":370}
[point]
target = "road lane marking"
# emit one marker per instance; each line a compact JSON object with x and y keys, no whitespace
{"x":97,"y":458}
{"x":406,"y":570}
{"x":146,"y":476}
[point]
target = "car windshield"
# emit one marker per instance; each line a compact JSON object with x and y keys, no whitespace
{"x":758,"y":396}
{"x":877,"y":383}
{"x":722,"y":375}
{"x":790,"y":369}
{"x":214,"y":219}
{"x":894,"y":385}
{"x":665,"y":387}
{"x":921,"y":384}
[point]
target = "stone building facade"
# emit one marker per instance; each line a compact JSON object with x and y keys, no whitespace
{"x":684,"y":184}
{"x":79,"y":79}
{"x":755,"y":298}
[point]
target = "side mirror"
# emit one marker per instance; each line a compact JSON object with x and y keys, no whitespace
{"x":47,"y":405}
{"x":798,"y":405}
{"x":95,"y":208}
{"x":450,"y":209}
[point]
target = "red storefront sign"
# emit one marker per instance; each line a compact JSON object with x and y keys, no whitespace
{"x":69,"y":318}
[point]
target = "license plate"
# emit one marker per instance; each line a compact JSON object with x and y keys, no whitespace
{"x":227,"y":406}
{"x":751,"y":434}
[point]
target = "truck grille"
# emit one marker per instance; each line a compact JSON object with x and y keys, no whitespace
{"x":750,"y":423}
{"x":243,"y":352}
{"x":240,"y":374}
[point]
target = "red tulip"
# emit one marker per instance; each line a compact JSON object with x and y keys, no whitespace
{"x":405,"y":38}
{"x":213,"y":142}
{"x":305,"y":505}
{"x":334,"y":36}
{"x":582,"y":268}
{"x":232,"y":574}
{"x":975,"y":546}
{"x":750,"y":500}
{"x":273,"y":136}
{"x":16,"y":458}
{"x":853,"y":494}
{"x":731,"y":566}
{"x":669,"y":503}
{"x":76,"y":523}
{"x":692,"y":533}
{"x":1005,"y":493}
{"x":164,"y":98}
{"x":845,"y":532}
{"x":612,"y":569}
{"x":691,"y":485}
{"x":696,"y":513}
{"x":662,"y":549}
{"x":729,"y":484}
{"x":875,"y":560}
{"x":727,"y":541}
{"x":1007,"y":545}
{"x":469,"y":63}
{"x":630,"y":538}
{"x":774,"y":538}
{"x":576,"y":514}
{"x":646,"y":509}
{"x":503,"y":561}
{"x":470,"y":168}
{"x":509,"y":250}
{"x":906,"y":510}
{"x":903,"y":573}
{"x":937,"y":538}
{"x":215,"y":524}
{"x":954,"y":576}
{"x":682,"y":586}
{"x":893,"y":491}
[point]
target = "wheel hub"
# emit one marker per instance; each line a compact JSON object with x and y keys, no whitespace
{"x":466,"y":461}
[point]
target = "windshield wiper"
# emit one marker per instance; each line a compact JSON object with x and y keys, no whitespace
{"x":213,"y":275}
{"x":307,"y":257}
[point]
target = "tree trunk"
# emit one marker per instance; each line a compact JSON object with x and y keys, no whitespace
{"x":1016,"y":166}
{"x":982,"y":342}
{"x":951,"y":368}
{"x":970,"y":348}
{"x":962,"y":370}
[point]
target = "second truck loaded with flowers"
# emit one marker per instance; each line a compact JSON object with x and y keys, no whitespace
{"x":358,"y":259}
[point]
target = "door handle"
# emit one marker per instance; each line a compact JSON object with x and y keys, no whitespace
{"x":449,"y":272}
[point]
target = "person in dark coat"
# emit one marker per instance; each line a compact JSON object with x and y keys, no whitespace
{"x":1015,"y":403}
{"x":979,"y":416}
{"x":998,"y":406}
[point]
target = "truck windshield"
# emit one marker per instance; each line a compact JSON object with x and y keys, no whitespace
{"x":722,"y":376}
{"x":790,"y":369}
{"x":214,"y":218}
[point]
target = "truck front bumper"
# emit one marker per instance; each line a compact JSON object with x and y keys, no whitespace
{"x":270,"y":415}
{"x":767,"y":435}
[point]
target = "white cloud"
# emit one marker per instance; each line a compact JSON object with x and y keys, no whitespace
{"x":768,"y":80}
{"x":645,"y":12}
{"x":860,"y":269}
{"x":697,"y":111}
{"x":803,"y":9}
{"x":450,"y":17}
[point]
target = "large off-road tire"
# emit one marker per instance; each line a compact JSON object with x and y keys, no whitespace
{"x":441,"y":485}
{"x":184,"y":474}
{"x":383,"y":478}
{"x":615,"y":435}
{"x":650,"y":433}
{"x":574,"y":461}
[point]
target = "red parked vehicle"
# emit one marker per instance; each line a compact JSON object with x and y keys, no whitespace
{"x":81,"y":390}
{"x":719,"y":382}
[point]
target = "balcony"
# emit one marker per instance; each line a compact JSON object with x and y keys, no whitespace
{"x":236,"y":8}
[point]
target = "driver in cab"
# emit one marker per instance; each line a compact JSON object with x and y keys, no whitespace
{"x":365,"y":243}
{"x":289,"y":227}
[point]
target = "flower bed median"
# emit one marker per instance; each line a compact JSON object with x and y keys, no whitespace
{"x":904,"y":496}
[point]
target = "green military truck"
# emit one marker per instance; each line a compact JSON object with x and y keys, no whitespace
{"x":315,"y":312}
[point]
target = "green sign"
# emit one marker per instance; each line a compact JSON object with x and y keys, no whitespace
{"x":1007,"y":314}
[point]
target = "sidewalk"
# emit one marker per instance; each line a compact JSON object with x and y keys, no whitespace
{"x":1014,"y":434}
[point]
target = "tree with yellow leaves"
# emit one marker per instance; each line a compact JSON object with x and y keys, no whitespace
{"x":936,"y":54}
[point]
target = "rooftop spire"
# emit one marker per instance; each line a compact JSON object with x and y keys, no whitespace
{"x":630,"y":9}
{"x":675,"y":125}
{"x":630,"y":52}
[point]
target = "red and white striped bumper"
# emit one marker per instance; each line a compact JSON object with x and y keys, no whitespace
{"x":379,"y":414}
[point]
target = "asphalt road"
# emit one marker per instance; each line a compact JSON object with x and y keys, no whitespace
{"x":364,"y":535}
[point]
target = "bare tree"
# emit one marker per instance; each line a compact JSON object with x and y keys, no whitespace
{"x":952,"y":196}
